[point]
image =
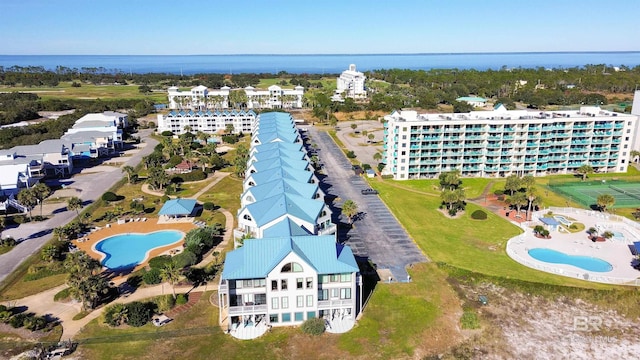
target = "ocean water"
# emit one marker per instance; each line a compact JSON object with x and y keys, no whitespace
{"x":319,"y":64}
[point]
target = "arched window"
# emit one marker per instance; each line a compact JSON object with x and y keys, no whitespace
{"x":247,"y":217}
{"x":291,"y":267}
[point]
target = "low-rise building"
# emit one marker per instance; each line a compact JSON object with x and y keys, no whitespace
{"x":208,"y":121}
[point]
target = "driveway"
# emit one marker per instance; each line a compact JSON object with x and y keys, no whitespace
{"x":376,"y":234}
{"x":89,"y":187}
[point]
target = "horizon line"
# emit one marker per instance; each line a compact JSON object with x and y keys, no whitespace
{"x":352,"y":54}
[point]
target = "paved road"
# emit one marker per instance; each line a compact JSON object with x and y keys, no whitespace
{"x":376,"y":233}
{"x":91,"y":186}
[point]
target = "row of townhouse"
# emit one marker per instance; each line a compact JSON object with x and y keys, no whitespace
{"x":289,"y":267}
{"x":201,"y":98}
{"x":93,"y":135}
{"x":502,"y":142}
{"x":207,"y":121}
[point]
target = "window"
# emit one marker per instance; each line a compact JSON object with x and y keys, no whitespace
{"x":299,"y":301}
{"x":335,"y":278}
{"x":299,"y":283}
{"x":285,"y":303}
{"x":311,"y":314}
{"x":286,"y":317}
{"x":291,"y":267}
{"x":335,"y":293}
{"x":323,"y":294}
{"x":274,"y":285}
{"x":309,"y":300}
{"x":299,"y":316}
{"x":324,"y":279}
{"x":345,"y":277}
{"x":309,"y":282}
{"x":274,"y":303}
{"x":283,"y":284}
{"x":345,"y":293}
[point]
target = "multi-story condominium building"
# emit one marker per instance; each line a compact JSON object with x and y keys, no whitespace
{"x":351,"y":83}
{"x":290,"y":269}
{"x":201,"y":98}
{"x":207,"y":121}
{"x":502,"y":142}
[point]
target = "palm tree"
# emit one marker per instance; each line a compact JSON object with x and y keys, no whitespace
{"x":371,"y":137}
{"x":605,"y":201}
{"x":171,"y":274}
{"x":74,"y":204}
{"x":130,"y":171}
{"x":519,"y":200}
{"x":27,"y":198}
{"x":377,"y":156}
{"x":158,"y":178}
{"x":448,"y":197}
{"x":41,"y":191}
{"x":635,"y":155}
{"x":585,"y":170}
{"x":532,"y":197}
{"x":50,"y":253}
{"x":349,"y":209}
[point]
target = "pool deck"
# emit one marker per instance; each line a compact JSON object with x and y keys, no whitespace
{"x":145,"y":227}
{"x":617,"y":252}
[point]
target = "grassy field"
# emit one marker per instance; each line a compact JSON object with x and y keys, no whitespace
{"x":422,"y":327}
{"x":465,"y":243}
{"x":87,"y":91}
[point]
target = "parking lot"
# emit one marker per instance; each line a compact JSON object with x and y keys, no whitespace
{"x":376,"y":234}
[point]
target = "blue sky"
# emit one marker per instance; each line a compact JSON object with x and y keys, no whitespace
{"x":139,"y":27}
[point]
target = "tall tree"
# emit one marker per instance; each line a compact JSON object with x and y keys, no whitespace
{"x":130,"y":171}
{"x":512,"y":184}
{"x":585,"y":170}
{"x":349,"y":209}
{"x":532,"y":197}
{"x":74,"y":203}
{"x":27,"y":198}
{"x":240,"y":161}
{"x":171,"y":274}
{"x":158,"y":178}
{"x":605,"y":201}
{"x":41,"y":191}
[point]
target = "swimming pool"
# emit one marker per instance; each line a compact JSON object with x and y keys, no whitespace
{"x":563,"y":220}
{"x":582,"y":262}
{"x":128,"y":250}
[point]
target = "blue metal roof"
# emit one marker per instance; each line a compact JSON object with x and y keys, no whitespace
{"x":279,"y":186}
{"x":283,"y":172}
{"x":286,"y":227}
{"x":178,"y":207}
{"x":276,"y":135}
{"x":277,"y":145}
{"x":272,"y":208}
{"x":270,"y":159}
{"x":257,"y":257}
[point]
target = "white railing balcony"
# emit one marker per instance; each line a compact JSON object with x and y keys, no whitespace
{"x":247,"y":309}
{"x":327,"y":304}
{"x":331,"y":229}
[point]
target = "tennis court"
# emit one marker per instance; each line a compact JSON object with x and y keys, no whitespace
{"x":627,"y":194}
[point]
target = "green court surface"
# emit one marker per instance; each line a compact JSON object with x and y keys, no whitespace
{"x":627,"y":194}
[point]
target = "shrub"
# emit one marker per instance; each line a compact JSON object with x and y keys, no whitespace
{"x":387,"y":176}
{"x":314,"y":326}
{"x":152,"y":277}
{"x":62,"y":295}
{"x":469,"y":320}
{"x":351,"y":154}
{"x":184,"y":259}
{"x":381,"y":167}
{"x":3,"y":308}
{"x":167,"y":133}
{"x":159,"y":262}
{"x":479,"y":215}
{"x":35,"y":323}
{"x":538,"y":229}
{"x":17,"y":320}
{"x":165,"y":198}
{"x":19,"y":219}
{"x":498,"y":192}
{"x":182,"y":299}
{"x":173,"y":161}
{"x":366,"y":167}
{"x":138,"y":313}
{"x":209,"y":206}
{"x":8,"y":241}
{"x":109,"y":196}
{"x":151,"y":124}
{"x":164,"y":302}
{"x":195,"y":175}
{"x":5,"y":316}
{"x":453,"y":211}
{"x":116,"y":314}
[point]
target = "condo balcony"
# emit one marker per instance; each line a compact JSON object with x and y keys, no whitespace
{"x":248,"y":309}
{"x":603,"y":126}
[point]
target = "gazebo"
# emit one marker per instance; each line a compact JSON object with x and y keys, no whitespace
{"x":177,"y":208}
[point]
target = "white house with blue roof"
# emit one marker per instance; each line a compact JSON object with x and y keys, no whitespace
{"x":284,"y":172}
{"x":283,"y":281}
{"x":279,"y":186}
{"x":297,"y":147}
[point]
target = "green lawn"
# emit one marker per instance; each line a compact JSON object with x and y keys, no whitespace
{"x":65,"y":91}
{"x":465,"y":243}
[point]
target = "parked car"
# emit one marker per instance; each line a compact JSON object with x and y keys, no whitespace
{"x":369,"y":191}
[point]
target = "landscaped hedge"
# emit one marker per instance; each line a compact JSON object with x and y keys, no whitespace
{"x":152,"y":277}
{"x":159,"y":262}
{"x":479,"y":215}
{"x":195,"y":175}
{"x":314,"y":326}
{"x":109,"y":196}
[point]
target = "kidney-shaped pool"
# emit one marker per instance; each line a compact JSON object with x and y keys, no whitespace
{"x":583,"y":262}
{"x":128,"y":250}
